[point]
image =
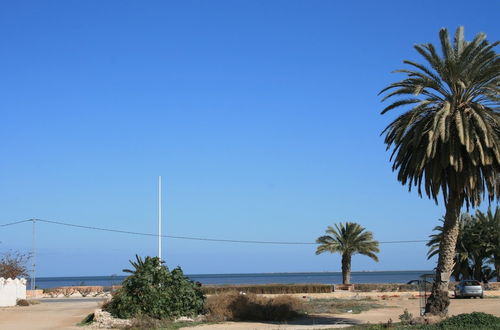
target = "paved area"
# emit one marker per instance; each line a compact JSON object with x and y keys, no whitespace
{"x":49,"y":314}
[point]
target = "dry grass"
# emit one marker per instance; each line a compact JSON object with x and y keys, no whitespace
{"x":233,"y":306}
{"x":268,"y":288}
{"x":338,"y":306}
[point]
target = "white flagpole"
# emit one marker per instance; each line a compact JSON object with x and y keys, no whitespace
{"x":159,"y":217}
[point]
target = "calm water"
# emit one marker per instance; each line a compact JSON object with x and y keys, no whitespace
{"x":256,"y":278}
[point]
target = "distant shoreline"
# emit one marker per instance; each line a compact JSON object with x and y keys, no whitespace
{"x":270,"y":273}
{"x":247,"y":278}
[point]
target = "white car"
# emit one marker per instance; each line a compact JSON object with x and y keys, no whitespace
{"x":469,"y":288}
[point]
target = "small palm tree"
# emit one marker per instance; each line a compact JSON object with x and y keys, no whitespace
{"x":448,"y":142}
{"x":491,"y":221}
{"x":348,"y":239}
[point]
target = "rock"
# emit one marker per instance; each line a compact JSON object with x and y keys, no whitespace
{"x":104,"y":320}
{"x":199,"y":318}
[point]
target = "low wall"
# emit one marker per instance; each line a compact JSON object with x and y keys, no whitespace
{"x":11,"y":290}
{"x":34,"y":294}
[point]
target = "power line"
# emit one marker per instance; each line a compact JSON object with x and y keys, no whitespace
{"x":15,"y":223}
{"x":189,"y":237}
{"x":171,"y":236}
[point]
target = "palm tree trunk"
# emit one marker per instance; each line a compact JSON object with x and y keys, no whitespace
{"x":497,"y":267}
{"x":346,"y":268}
{"x":478,"y":269}
{"x":439,"y":301}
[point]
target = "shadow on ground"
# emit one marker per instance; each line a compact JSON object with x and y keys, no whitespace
{"x":318,"y":320}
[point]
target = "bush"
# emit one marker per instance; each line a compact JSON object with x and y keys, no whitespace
{"x":474,"y":320}
{"x":87,"y":320}
{"x":233,"y":306}
{"x":22,"y":302}
{"x":153,"y":291}
{"x":406,"y":318}
{"x":13,"y":264}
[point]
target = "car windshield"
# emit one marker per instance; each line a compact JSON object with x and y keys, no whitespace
{"x":471,"y":283}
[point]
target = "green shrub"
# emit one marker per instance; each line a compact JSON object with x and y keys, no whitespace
{"x":474,"y":320}
{"x":87,"y":320}
{"x":22,"y":302}
{"x":153,"y":291}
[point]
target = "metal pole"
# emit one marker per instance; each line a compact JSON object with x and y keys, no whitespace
{"x":33,"y":258}
{"x":159,"y":217}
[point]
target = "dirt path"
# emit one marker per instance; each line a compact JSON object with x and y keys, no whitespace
{"x":395,"y":307}
{"x":65,"y":314}
{"x":47,"y":315}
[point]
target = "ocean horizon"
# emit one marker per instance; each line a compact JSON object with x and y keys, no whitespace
{"x":246,"y":278}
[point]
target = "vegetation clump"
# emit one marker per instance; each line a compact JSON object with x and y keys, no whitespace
{"x":13,"y":264}
{"x":478,"y":243}
{"x":22,"y":302}
{"x":153,"y":291}
{"x":234,"y":306}
{"x":474,"y":320}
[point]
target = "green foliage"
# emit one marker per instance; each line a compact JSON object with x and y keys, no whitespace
{"x":474,"y":320}
{"x":145,"y":322}
{"x":87,"y":319}
{"x":477,"y":243}
{"x":348,"y":239}
{"x":448,"y":140}
{"x":152,"y":290}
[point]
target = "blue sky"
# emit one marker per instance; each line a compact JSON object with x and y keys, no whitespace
{"x":261,"y":116}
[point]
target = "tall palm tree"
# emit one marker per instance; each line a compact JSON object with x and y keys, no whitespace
{"x":447,"y":142}
{"x":348,"y":239}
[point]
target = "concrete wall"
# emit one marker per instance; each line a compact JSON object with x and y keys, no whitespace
{"x":11,"y":290}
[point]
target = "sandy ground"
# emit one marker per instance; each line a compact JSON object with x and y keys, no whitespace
{"x":49,"y":314}
{"x":395,"y":307}
{"x":66,"y":313}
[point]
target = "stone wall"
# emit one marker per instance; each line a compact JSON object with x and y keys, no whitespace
{"x":11,"y":290}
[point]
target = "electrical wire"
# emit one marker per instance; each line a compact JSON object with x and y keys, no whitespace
{"x":188,"y":237}
{"x":15,"y":223}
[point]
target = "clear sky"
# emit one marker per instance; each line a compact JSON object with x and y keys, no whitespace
{"x":261,"y":116}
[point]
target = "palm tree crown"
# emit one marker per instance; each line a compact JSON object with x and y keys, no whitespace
{"x":349,"y":238}
{"x":449,"y":139}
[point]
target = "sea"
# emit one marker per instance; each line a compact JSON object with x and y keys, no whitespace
{"x":253,"y":278}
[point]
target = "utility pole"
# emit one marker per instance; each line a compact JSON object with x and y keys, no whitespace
{"x":33,"y":259}
{"x":159,"y":217}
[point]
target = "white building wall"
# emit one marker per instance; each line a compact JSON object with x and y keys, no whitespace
{"x":11,"y":290}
